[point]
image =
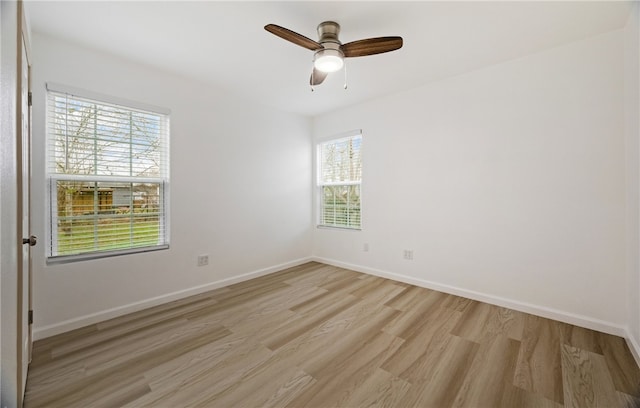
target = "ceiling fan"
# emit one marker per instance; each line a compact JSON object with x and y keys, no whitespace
{"x":329,"y":52}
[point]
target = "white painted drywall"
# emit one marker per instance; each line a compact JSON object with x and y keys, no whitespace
{"x":240,"y":191}
{"x":632,"y":146}
{"x":8,"y":209}
{"x":506,"y":182}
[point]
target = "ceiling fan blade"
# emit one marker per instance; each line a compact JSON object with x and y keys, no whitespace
{"x":317,"y":77}
{"x":371,"y":46}
{"x":293,"y":37}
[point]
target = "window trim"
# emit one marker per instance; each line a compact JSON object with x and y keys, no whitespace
{"x":52,"y":178}
{"x":320,"y":185}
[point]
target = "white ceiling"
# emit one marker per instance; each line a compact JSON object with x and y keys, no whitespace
{"x":224,"y":43}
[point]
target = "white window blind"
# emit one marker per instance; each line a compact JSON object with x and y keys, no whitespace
{"x":108,"y":169}
{"x":339,"y":179}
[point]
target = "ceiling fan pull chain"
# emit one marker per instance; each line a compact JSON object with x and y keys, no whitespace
{"x":345,"y":75}
{"x":313,"y":71}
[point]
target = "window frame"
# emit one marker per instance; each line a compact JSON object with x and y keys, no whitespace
{"x":52,"y":178}
{"x":357,"y":133}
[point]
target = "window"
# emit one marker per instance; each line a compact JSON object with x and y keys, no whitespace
{"x":339,"y":178}
{"x":108,"y":173}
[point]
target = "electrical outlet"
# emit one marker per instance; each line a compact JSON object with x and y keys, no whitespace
{"x":203,"y":260}
{"x":365,"y":247}
{"x":408,"y":254}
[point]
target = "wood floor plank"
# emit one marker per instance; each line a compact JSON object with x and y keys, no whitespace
{"x":380,"y":389}
{"x":482,"y":321}
{"x":195,"y":382}
{"x":539,"y":368}
{"x":489,"y":375}
{"x":259,"y":385}
{"x":587,"y":382}
{"x":355,"y":368}
{"x":177,"y":306}
{"x":517,"y":397}
{"x":408,"y":298}
{"x":437,"y":376}
{"x":624,"y":372}
{"x":319,"y":301}
{"x":431,"y":337}
{"x":224,"y":356}
{"x":317,"y":336}
{"x":341,"y":334}
{"x":260,"y":310}
{"x":378,"y":290}
{"x":142,"y":325}
{"x":585,"y":339}
{"x":42,"y":347}
{"x":421,"y":314}
{"x":287,"y":391}
{"x":115,"y":373}
{"x":46,"y":376}
{"x":357,"y":337}
{"x":119,"y":395}
{"x":342,"y":282}
{"x":458,"y":303}
{"x":628,"y":401}
{"x":505,"y":322}
{"x":50,"y":382}
{"x":291,"y":330}
{"x":472,"y":326}
{"x":321,"y":275}
{"x":188,"y":337}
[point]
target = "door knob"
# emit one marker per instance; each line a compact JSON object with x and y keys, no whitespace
{"x":32,"y":240}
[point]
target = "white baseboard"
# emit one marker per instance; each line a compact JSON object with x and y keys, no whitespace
{"x":542,"y":311}
{"x":78,"y":322}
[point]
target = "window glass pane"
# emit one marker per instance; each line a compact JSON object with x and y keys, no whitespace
{"x":72,"y":126}
{"x":107,"y":216}
{"x":341,"y":206}
{"x":341,"y":160}
{"x":91,"y":138}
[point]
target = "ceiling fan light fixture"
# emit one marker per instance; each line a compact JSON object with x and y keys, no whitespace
{"x":329,"y":52}
{"x":328,"y":60}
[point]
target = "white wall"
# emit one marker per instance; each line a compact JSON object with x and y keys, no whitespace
{"x":8,"y":208}
{"x":632,"y":140}
{"x":508,"y":183}
{"x":240,"y":192}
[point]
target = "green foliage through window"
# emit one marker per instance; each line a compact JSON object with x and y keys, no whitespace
{"x":340,"y":176}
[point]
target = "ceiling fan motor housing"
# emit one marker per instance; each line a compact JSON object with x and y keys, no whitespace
{"x":328,"y":32}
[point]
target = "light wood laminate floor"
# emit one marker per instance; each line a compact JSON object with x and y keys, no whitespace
{"x":321,"y":336}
